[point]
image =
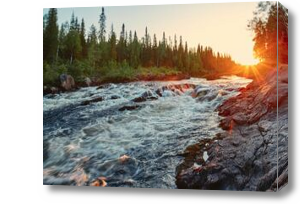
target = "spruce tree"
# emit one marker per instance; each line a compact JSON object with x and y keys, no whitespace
{"x":102,"y":22}
{"x":73,"y":44}
{"x":112,"y":44}
{"x":50,"y":38}
{"x":121,"y":47}
{"x":82,"y":39}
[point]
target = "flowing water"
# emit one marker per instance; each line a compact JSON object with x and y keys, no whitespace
{"x":133,"y":133}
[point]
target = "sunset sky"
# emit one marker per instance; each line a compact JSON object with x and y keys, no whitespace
{"x":222,"y":26}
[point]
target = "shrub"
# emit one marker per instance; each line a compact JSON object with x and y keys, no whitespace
{"x":62,"y":69}
{"x":76,"y":70}
{"x":50,"y":75}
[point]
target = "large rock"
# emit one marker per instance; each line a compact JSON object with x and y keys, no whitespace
{"x":129,"y":107}
{"x":148,"y":95}
{"x":67,"y":82}
{"x":94,"y":100}
{"x":87,"y":81}
{"x":174,"y":89}
{"x":244,"y":157}
{"x":50,"y":90}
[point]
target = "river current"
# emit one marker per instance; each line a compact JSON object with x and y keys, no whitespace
{"x":130,"y":134}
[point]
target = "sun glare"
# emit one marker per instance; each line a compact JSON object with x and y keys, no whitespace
{"x":249,"y":61}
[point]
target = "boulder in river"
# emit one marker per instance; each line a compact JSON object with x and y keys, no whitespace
{"x":123,"y":158}
{"x":54,"y":90}
{"x":103,"y":86}
{"x":114,"y":97}
{"x":87,"y":81}
{"x":94,"y":100}
{"x":177,"y":89}
{"x":67,"y":82}
{"x":50,"y":90}
{"x":100,"y":182}
{"x":148,"y":95}
{"x":129,"y":107}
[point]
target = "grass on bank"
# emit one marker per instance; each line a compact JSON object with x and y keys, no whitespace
{"x":111,"y":73}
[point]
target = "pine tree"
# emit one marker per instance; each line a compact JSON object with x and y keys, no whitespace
{"x":175,"y":52}
{"x":102,"y":22}
{"x":45,"y":18}
{"x":82,"y":39}
{"x":63,"y":31}
{"x":112,"y":44}
{"x":70,"y":43}
{"x":135,"y":52}
{"x":73,"y":44}
{"x":175,"y":43}
{"x":283,"y":34}
{"x":271,"y":29}
{"x":146,"y":38}
{"x":169,"y":53}
{"x":146,"y":49}
{"x":121,"y":46}
{"x":77,"y":26}
{"x":72,"y":22}
{"x":50,"y":38}
{"x":264,"y":25}
{"x":186,"y":58}
{"x":155,"y":51}
{"x":260,"y":49}
{"x":92,"y":45}
{"x":162,"y":51}
{"x":130,"y":37}
{"x":180,"y":54}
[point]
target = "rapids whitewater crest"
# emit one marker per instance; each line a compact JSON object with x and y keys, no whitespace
{"x":130,"y":134}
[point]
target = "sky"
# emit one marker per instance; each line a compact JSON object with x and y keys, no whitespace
{"x":222,"y":26}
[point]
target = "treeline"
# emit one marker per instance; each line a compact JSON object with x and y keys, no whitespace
{"x":70,"y":49}
{"x":264,"y":25}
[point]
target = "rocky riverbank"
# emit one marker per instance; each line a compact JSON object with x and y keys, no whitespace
{"x":67,"y":83}
{"x":244,"y":156}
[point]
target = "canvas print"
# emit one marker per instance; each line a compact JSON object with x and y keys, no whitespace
{"x":191,"y":96}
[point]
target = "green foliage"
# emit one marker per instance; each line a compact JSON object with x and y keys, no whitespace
{"x":134,"y":52}
{"x":69,"y":50}
{"x":50,"y":36}
{"x":73,"y":45}
{"x":92,"y":45}
{"x":61,"y":69}
{"x":264,"y":26}
{"x":50,"y":75}
{"x":143,"y":72}
{"x":122,"y":45}
{"x":115,"y":72}
{"x":76,"y":69}
{"x":83,"y":42}
{"x":112,"y":44}
{"x":88,"y":69}
{"x":123,"y":72}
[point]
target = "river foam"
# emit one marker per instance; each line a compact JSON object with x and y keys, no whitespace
{"x":84,"y":141}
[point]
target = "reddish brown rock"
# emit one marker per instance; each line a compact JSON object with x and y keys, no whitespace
{"x":244,"y":157}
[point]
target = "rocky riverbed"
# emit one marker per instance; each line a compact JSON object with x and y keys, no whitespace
{"x":253,"y":146}
{"x":129,"y":134}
